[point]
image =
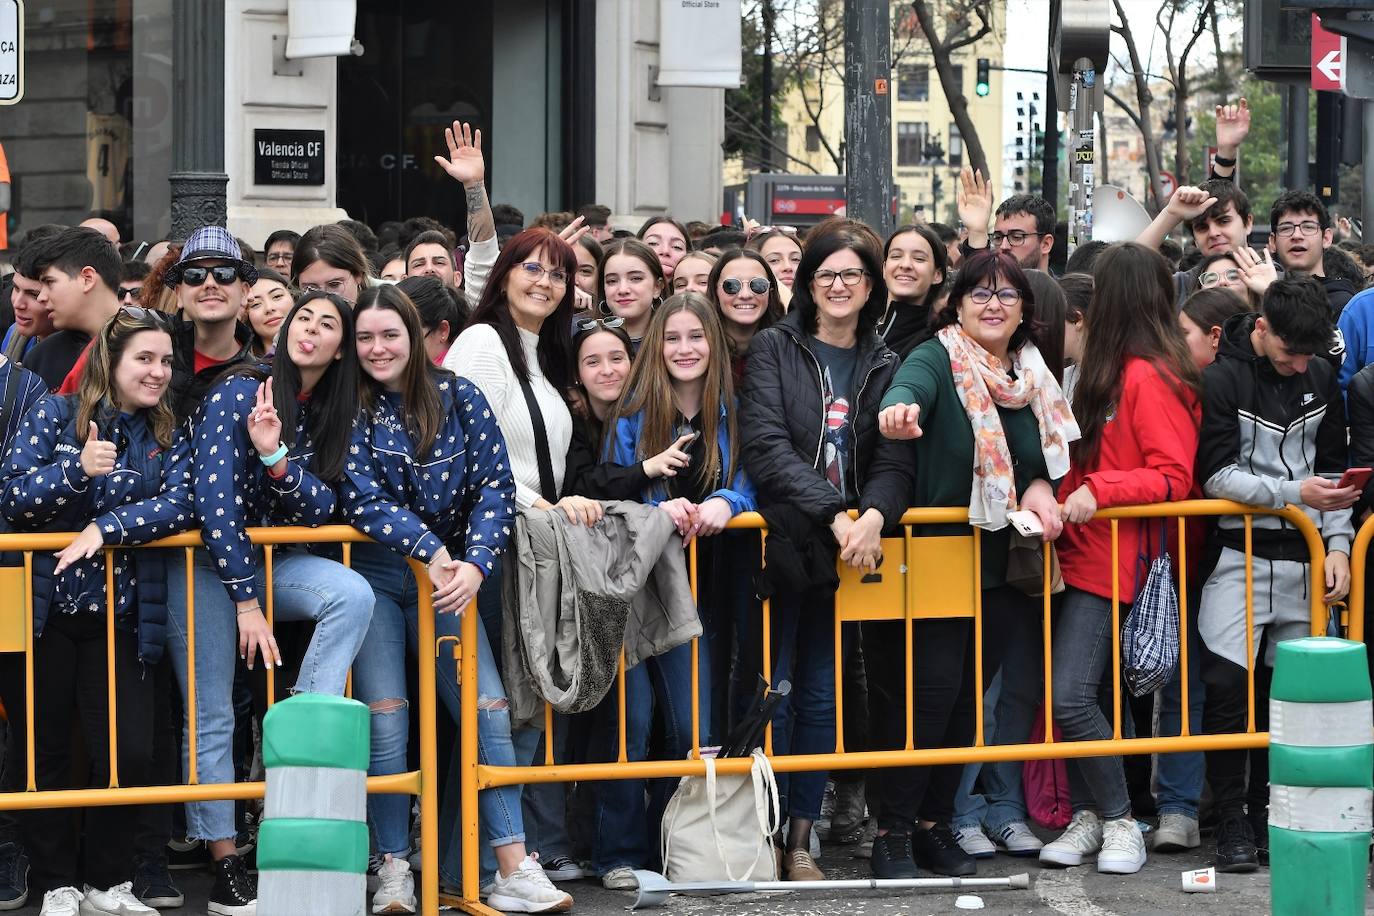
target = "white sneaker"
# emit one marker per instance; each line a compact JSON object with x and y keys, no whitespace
{"x":395,"y":887}
{"x":64,"y":901}
{"x":1176,"y":833}
{"x":974,"y":841}
{"x":117,"y":901}
{"x":620,"y":878}
{"x":1018,"y":840}
{"x":1123,"y":848}
{"x":528,"y":890}
{"x":1083,"y":837}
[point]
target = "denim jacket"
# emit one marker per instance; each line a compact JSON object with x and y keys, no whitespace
{"x":146,"y":496}
{"x":233,"y":490}
{"x":461,"y":492}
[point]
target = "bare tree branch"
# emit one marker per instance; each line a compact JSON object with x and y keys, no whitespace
{"x":940,"y":49}
{"x":1143,"y":120}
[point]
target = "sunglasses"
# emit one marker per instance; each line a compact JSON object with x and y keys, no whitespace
{"x":161,"y":320}
{"x":224,"y":274}
{"x":587,"y":324}
{"x":130,"y":292}
{"x":757,"y":285}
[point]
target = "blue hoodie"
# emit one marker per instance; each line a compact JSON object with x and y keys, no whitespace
{"x":741,"y":494}
{"x":233,"y":490}
{"x":146,"y":496}
{"x":461,"y":492}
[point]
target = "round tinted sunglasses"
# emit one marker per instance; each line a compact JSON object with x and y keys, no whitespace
{"x":757,"y":285}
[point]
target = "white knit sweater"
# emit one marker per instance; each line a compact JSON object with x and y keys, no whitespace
{"x":478,"y":355}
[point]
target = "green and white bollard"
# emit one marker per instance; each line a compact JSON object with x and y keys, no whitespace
{"x":313,"y":842}
{"x":1321,"y":764}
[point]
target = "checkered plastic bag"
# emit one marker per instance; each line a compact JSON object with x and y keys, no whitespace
{"x":1149,"y":637}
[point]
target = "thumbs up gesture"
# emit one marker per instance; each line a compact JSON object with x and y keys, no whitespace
{"x":98,"y":455}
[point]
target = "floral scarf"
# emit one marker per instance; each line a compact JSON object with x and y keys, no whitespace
{"x":983,"y":386}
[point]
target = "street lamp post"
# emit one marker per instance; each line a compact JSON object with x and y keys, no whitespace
{"x":198,"y":179}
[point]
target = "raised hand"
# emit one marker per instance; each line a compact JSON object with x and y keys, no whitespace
{"x":97,"y":455}
{"x":900,"y":421}
{"x":974,"y":197}
{"x":1257,"y":272}
{"x":1189,"y":202}
{"x":667,"y":462}
{"x":264,"y":425}
{"x":465,"y":162}
{"x":1233,"y":126}
{"x":574,"y":230}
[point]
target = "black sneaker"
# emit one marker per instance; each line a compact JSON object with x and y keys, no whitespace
{"x":1236,"y":845}
{"x":153,"y":884}
{"x":187,"y":854}
{"x":235,"y":892}
{"x":937,"y":850}
{"x":892,"y":856}
{"x":14,"y":876}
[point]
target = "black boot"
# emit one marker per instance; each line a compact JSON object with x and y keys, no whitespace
{"x":235,"y":892}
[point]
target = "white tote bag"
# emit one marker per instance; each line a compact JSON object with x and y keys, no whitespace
{"x":720,"y":828}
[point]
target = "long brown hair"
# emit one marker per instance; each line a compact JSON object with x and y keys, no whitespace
{"x":650,"y":389}
{"x":1132,"y":314}
{"x":424,"y":412}
{"x":97,"y":388}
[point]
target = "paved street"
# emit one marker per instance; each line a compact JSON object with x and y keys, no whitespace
{"x":1073,"y":892}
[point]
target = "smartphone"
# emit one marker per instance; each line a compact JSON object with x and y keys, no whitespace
{"x":1356,"y":477}
{"x":1027,"y":523}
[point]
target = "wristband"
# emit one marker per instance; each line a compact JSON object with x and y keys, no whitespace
{"x":278,"y":455}
{"x":249,"y":610}
{"x":1223,"y":161}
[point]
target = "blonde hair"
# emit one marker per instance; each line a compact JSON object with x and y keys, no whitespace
{"x":96,"y":388}
{"x":650,"y":389}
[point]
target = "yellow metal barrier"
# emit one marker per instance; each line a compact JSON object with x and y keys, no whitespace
{"x":1359,"y":553}
{"x":948,"y":573}
{"x":16,"y":634}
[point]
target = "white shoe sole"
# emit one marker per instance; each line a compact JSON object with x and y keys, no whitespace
{"x":227,"y":909}
{"x":1176,"y":842}
{"x":1062,"y":857}
{"x":394,"y":906}
{"x":1114,"y":866}
{"x":520,"y":905}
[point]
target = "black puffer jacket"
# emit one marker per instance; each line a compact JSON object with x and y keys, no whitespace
{"x":782,"y":427}
{"x":188,"y":385}
{"x":1359,"y":408}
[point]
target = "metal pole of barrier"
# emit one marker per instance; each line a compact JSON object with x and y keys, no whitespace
{"x":978,"y":637}
{"x":767,"y":643}
{"x":28,"y":667}
{"x":908,"y":610}
{"x":839,"y":677}
{"x":1116,"y":630}
{"x":1183,"y":626}
{"x":192,"y":729}
{"x":112,"y":736}
{"x":269,"y":605}
{"x":1047,"y":648}
{"x":468,"y":762}
{"x":696,"y":651}
{"x":548,"y":735}
{"x":1359,"y":554}
{"x":429,"y":742}
{"x":622,"y":756}
{"x":1249,"y":624}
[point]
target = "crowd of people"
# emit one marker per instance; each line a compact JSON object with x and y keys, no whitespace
{"x":431,"y":394}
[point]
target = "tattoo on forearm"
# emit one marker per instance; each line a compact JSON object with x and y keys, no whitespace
{"x":477,"y":198}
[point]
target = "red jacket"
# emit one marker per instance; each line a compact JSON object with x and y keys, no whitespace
{"x":1146,"y":455}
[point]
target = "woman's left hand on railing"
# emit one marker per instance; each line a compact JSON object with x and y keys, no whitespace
{"x":455,"y":582}
{"x":711,"y":518}
{"x":1039,"y":498}
{"x":862,"y":543}
{"x":1080,"y":507}
{"x":1337,"y":576}
{"x":83,"y":547}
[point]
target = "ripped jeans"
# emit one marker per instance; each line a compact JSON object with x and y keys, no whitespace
{"x":379,"y":679}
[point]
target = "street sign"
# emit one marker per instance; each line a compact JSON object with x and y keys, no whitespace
{"x":1328,"y":58}
{"x":11,"y":51}
{"x":1167,"y":184}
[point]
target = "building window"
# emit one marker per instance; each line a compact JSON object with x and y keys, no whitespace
{"x":911,"y":142}
{"x":913,"y":84}
{"x":813,"y":139}
{"x":956,"y":147}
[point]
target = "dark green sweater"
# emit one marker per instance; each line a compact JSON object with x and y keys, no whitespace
{"x":944,"y":453}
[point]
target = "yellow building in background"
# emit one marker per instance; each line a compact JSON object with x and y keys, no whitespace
{"x":927,"y":150}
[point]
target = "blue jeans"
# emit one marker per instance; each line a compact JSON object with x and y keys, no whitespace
{"x":1082,"y":659}
{"x":626,"y":831}
{"x":803,"y":644}
{"x":305,"y":587}
{"x":1179,"y":777}
{"x":379,"y":675}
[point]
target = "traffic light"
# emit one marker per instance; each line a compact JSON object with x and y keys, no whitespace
{"x":982,"y":86}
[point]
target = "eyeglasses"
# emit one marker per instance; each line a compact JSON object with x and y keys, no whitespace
{"x":850,"y":276}
{"x":161,"y":319}
{"x":279,"y":257}
{"x":1016,"y":238}
{"x":333,"y":287}
{"x":224,"y":274}
{"x":1306,"y":227}
{"x":534,"y":270}
{"x":587,"y":324}
{"x":757,"y":285}
{"x":1213,"y":277}
{"x":130,"y":292}
{"x":981,"y":295}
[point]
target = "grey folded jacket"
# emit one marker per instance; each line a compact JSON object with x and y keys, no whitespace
{"x":572,"y":596}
